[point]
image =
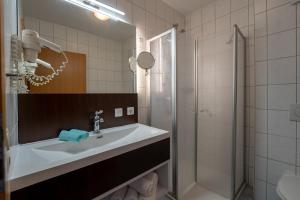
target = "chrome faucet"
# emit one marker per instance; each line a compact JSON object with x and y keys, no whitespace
{"x":97,"y":121}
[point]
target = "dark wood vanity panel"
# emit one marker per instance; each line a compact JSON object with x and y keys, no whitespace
{"x":43,"y":116}
{"x":94,"y":180}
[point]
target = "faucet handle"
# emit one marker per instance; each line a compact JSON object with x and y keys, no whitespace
{"x":101,"y":120}
{"x":99,"y":112}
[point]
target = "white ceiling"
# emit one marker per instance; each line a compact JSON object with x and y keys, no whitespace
{"x":186,"y":6}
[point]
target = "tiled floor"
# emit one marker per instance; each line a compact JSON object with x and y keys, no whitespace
{"x":199,"y":193}
{"x":247,"y":194}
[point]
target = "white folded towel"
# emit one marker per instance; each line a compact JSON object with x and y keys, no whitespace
{"x":131,"y":194}
{"x":143,"y":186}
{"x":119,"y":194}
{"x":153,"y":177}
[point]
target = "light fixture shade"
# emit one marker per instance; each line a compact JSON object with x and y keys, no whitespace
{"x":97,"y":7}
{"x":101,"y":16}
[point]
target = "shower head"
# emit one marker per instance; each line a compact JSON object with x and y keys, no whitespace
{"x":176,"y":27}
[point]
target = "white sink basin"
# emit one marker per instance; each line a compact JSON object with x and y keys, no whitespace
{"x":38,"y":161}
{"x":288,"y":187}
{"x":91,"y":142}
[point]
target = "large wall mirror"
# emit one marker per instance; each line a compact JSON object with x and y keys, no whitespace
{"x":98,"y":48}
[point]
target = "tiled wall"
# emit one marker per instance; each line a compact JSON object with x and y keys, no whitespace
{"x":277,"y":46}
{"x":212,"y":25}
{"x":106,"y":70}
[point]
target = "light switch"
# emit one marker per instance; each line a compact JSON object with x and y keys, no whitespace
{"x":295,"y":112}
{"x":119,"y":112}
{"x":130,"y":110}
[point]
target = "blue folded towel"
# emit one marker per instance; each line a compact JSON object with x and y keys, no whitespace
{"x":73,"y":135}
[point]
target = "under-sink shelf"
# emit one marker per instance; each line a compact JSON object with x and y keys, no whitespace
{"x":161,"y":190}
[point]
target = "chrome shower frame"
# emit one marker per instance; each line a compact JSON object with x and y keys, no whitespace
{"x":236,"y":32}
{"x":174,"y":138}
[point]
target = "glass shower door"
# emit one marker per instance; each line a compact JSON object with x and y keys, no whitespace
{"x":220,"y":122}
{"x":162,"y":93}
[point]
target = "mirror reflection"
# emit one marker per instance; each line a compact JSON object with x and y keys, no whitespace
{"x":98,"y":48}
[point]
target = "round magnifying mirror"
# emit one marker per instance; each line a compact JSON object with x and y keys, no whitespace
{"x":146,"y":60}
{"x":132,"y":64}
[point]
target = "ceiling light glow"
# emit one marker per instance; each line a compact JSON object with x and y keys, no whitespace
{"x":101,"y":16}
{"x":97,"y":7}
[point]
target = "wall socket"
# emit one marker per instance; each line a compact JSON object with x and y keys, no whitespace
{"x":118,"y":112}
{"x":130,"y":110}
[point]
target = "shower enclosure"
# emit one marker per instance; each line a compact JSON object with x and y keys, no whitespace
{"x":203,"y":109}
{"x":219,"y":100}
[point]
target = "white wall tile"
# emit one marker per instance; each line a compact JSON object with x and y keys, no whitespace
{"x":196,"y":18}
{"x":82,"y":38}
{"x":261,"y":165}
{"x":49,"y":38}
{"x":260,"y":24}
{"x":261,"y":73}
{"x":282,"y":44}
{"x":261,"y":121}
{"x":151,"y":6}
{"x":72,"y":47}
{"x":298,"y":153}
{"x":223,"y":24}
{"x":298,"y":15}
{"x":261,"y":97}
{"x":60,"y":32}
{"x":139,"y":19}
{"x":261,"y":144}
{"x":46,"y":28}
{"x":282,"y":149}
{"x":260,"y":6}
{"x":281,"y":96}
{"x":160,"y":10}
{"x":238,"y":4}
{"x":208,"y":13}
{"x":282,"y":71}
{"x":140,"y":3}
{"x":281,"y":19}
{"x":260,"y":190}
{"x":240,"y":17}
{"x":251,"y":14}
{"x":32,"y":23}
{"x":280,"y":124}
{"x":61,"y":43}
{"x":298,"y":41}
{"x":209,"y":28}
{"x":275,"y":3}
{"x":277,"y":169}
{"x":222,"y":7}
{"x":261,"y":48}
{"x":71,"y":35}
{"x":126,"y":7}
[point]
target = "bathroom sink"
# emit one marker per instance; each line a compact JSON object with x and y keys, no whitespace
{"x":91,"y":142}
{"x":38,"y":161}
